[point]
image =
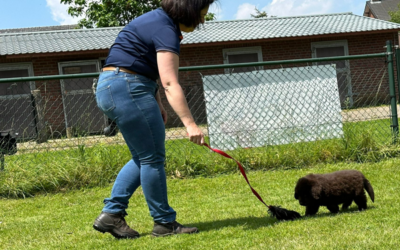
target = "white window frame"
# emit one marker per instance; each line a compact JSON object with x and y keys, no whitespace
{"x":327,"y":44}
{"x":78,"y":63}
{"x":242,"y":50}
{"x":16,"y":66}
{"x":74,"y":63}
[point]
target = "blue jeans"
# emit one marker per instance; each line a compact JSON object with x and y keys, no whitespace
{"x":129,"y":100}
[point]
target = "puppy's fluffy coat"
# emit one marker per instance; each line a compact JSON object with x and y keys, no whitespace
{"x":331,"y":190}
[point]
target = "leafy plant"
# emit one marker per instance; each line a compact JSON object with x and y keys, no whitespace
{"x":112,"y":13}
{"x":108,"y":13}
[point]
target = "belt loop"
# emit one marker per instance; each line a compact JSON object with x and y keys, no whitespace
{"x":116,"y":70}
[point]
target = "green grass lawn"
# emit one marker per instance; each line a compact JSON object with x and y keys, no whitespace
{"x":223,"y":208}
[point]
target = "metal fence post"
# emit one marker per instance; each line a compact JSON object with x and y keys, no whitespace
{"x":397,"y":55}
{"x":392,"y":89}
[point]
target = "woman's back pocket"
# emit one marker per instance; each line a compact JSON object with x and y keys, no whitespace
{"x":104,"y":99}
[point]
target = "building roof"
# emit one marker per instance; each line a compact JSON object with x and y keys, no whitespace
{"x":380,"y":8}
{"x":57,"y":41}
{"x":213,"y":32}
{"x":287,"y":27}
{"x":35,"y":29}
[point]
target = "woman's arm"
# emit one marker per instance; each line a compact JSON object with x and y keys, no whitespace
{"x":163,"y":111}
{"x":168,"y":64}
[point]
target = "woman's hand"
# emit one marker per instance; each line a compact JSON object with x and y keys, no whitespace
{"x":195,"y":134}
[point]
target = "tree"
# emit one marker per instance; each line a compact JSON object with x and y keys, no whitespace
{"x":108,"y":13}
{"x":259,"y":14}
{"x":210,"y":17}
{"x":111,"y":13}
{"x":395,"y":15}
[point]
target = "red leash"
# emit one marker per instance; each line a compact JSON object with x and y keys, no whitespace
{"x":241,"y":170}
{"x":275,"y":211}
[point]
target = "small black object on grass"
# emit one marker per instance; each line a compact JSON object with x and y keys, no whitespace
{"x":283,"y":214}
{"x":275,"y":211}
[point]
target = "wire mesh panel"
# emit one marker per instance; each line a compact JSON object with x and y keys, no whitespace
{"x":17,"y":114}
{"x":16,"y":107}
{"x":273,"y":107}
{"x":81,"y":111}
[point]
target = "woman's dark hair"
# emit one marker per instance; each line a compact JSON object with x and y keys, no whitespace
{"x":186,"y":12}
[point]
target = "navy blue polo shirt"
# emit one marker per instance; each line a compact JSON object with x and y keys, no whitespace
{"x":137,"y":44}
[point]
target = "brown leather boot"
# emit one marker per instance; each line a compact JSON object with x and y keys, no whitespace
{"x":171,"y":228}
{"x":114,"y":224}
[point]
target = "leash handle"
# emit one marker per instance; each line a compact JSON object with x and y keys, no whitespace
{"x":240,"y":168}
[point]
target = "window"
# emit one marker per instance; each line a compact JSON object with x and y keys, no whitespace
{"x":15,"y":70}
{"x":80,"y":108}
{"x":78,"y":67}
{"x":333,"y":49}
{"x":16,"y":109}
{"x":242,"y":55}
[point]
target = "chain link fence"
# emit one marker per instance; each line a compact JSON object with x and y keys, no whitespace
{"x":248,"y":105}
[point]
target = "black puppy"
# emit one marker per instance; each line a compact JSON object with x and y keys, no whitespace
{"x":330,"y":190}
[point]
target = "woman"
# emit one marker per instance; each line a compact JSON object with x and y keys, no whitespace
{"x":145,"y":50}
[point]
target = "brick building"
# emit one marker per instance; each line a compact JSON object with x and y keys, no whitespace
{"x":70,"y":103}
{"x":379,"y":9}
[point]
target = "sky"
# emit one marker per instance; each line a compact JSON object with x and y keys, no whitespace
{"x":35,"y":13}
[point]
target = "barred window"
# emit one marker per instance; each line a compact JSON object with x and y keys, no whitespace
{"x":242,"y":55}
{"x":80,"y":109}
{"x":12,"y":71}
{"x":16,"y":107}
{"x":333,"y":49}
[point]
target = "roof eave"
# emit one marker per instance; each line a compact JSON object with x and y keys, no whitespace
{"x":52,"y":54}
{"x":288,"y":38}
{"x":84,"y":52}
